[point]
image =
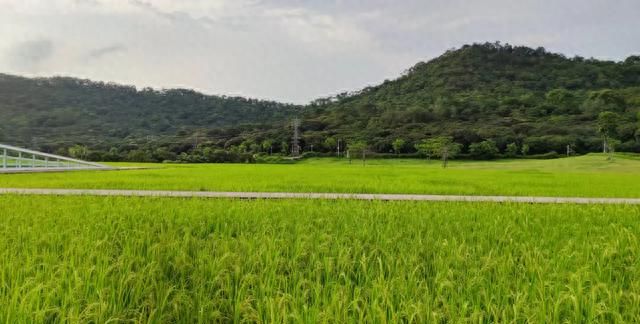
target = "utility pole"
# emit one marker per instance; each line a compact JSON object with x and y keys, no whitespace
{"x":295,"y":149}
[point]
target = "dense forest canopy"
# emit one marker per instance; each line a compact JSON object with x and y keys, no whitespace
{"x":491,"y":92}
{"x":501,"y":99}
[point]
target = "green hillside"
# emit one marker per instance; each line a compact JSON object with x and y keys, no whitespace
{"x":54,"y":113}
{"x":514,"y":97}
{"x":491,"y":92}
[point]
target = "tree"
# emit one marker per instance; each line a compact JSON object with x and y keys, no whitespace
{"x":330,"y":144}
{"x":512,"y":150}
{"x":358,"y":148}
{"x":112,"y":155}
{"x":244,"y":146}
{"x":633,"y":59}
{"x":162,"y":154}
{"x":637,"y":134}
{"x":612,"y":145}
{"x":254,"y":147}
{"x":607,"y":100}
{"x":267,"y":145}
{"x":443,"y":147}
{"x":485,"y":150}
{"x":79,"y":151}
{"x":562,"y":99}
{"x":284,"y":147}
{"x":607,"y":124}
{"x":427,"y":148}
{"x":524,"y":149}
{"x":139,"y":155}
{"x":398,"y":145}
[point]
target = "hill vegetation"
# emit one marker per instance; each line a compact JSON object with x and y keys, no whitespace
{"x":121,"y":122}
{"x":491,"y":92}
{"x":493,"y":100}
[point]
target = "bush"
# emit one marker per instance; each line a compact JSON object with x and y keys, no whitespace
{"x":629,"y":146}
{"x":215,"y":156}
{"x":512,"y":150}
{"x":485,"y":150}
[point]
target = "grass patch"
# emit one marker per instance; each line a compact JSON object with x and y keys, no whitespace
{"x":585,"y":176}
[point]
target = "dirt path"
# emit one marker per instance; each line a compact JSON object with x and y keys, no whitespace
{"x":291,"y":195}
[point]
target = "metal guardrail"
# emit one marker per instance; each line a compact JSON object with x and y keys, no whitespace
{"x":12,"y":158}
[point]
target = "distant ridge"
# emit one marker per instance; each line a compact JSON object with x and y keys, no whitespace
{"x":506,"y":94}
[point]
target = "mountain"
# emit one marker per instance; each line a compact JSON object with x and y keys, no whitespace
{"x":490,"y":91}
{"x":53,"y":113}
{"x":513,"y":96}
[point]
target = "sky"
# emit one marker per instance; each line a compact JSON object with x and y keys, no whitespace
{"x":290,"y":50}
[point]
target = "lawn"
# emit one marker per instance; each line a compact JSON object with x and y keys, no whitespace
{"x":585,"y":176}
{"x":92,"y":259}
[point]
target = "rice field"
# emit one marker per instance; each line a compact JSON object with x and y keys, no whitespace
{"x":584,"y":176}
{"x":155,"y":260}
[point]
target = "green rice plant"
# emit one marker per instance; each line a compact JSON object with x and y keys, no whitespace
{"x":162,"y":260}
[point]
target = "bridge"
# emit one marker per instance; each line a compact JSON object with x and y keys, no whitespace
{"x":16,"y":160}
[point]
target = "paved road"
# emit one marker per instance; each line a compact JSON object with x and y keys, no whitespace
{"x":291,"y":195}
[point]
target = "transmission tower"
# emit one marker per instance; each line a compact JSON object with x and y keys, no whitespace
{"x":295,"y":148}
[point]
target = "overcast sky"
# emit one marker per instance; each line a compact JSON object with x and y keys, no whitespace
{"x":290,"y":50}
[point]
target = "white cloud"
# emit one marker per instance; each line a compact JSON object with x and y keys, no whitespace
{"x":287,"y":49}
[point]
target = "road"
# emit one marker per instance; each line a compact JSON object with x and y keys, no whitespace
{"x":334,"y":196}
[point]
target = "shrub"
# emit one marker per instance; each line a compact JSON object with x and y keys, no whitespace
{"x":485,"y":150}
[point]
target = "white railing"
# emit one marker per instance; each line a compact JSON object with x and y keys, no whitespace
{"x":12,"y":157}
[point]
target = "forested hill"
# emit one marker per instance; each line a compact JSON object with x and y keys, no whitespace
{"x":491,"y":92}
{"x":46,"y":113}
{"x":506,"y":96}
